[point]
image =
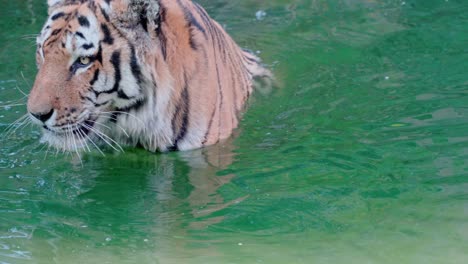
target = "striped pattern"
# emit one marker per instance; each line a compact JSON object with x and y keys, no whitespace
{"x":158,"y":74}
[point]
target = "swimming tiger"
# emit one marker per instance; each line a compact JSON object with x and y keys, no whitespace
{"x":160,"y":74}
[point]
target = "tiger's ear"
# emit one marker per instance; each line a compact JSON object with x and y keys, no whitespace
{"x":131,"y":13}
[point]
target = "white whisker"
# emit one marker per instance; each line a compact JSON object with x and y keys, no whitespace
{"x":27,"y":82}
{"x":13,"y":127}
{"x":68,"y":141}
{"x":95,"y":145}
{"x":75,"y":146}
{"x":103,"y":137}
{"x":29,"y":36}
{"x":101,"y":124}
{"x":20,"y":119}
{"x":12,"y":105}
{"x":125,"y":113}
{"x":84,"y":139}
{"x":21,"y":91}
{"x":47,"y":151}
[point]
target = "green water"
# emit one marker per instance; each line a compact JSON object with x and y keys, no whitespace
{"x":360,"y":157}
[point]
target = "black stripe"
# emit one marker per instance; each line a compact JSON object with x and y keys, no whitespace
{"x":101,"y":104}
{"x":136,"y":70}
{"x":57,"y":16}
{"x":214,"y":33}
{"x":56,"y":32}
{"x":159,"y":32}
{"x":163,"y":43}
{"x":192,"y":23}
{"x":144,"y":20}
{"x":209,"y":125}
{"x":190,"y":18}
{"x":79,"y":34}
{"x":182,"y":110}
{"x":115,"y":60}
{"x":122,"y":95}
{"x":99,"y":54}
{"x":95,"y":78}
{"x":138,"y":104}
{"x":220,"y":89}
{"x":161,"y":17}
{"x":205,"y":17}
{"x":108,"y":39}
{"x":83,"y":21}
{"x":221,"y":41}
{"x":88,"y":46}
{"x":87,"y":98}
{"x":192,"y":42}
{"x":104,"y":14}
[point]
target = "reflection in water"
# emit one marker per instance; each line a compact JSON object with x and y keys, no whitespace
{"x":56,"y":208}
{"x":135,"y":201}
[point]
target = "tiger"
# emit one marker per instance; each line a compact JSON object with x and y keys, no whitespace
{"x":157,"y":74}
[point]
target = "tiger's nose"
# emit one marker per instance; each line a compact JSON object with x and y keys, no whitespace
{"x":43,"y":117}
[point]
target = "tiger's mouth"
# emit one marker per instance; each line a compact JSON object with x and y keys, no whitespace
{"x":84,"y":127}
{"x":71,"y":137}
{"x":81,"y":128}
{"x":82,"y":136}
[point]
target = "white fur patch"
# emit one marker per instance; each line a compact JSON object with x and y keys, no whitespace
{"x":76,"y":44}
{"x":45,"y":33}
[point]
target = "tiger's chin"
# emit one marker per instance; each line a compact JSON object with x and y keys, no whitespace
{"x":76,"y":138}
{"x":67,"y":142}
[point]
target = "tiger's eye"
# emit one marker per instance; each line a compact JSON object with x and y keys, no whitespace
{"x":85,"y":60}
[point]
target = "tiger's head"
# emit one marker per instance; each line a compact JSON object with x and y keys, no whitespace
{"x":82,"y":78}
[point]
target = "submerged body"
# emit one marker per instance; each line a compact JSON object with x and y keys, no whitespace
{"x":159,"y":74}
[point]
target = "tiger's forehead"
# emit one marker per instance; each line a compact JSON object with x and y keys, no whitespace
{"x":74,"y":27}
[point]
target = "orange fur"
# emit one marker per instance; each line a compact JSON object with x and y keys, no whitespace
{"x":176,"y":71}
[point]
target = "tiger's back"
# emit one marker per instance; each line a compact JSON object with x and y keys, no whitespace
{"x":159,"y":74}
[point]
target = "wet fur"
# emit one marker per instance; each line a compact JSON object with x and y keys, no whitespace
{"x":164,"y":75}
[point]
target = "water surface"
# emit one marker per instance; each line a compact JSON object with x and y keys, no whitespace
{"x":360,"y":157}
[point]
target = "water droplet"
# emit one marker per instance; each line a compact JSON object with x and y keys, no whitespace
{"x":41,"y":182}
{"x":260,"y":14}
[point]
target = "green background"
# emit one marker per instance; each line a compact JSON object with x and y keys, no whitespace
{"x":360,"y":156}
